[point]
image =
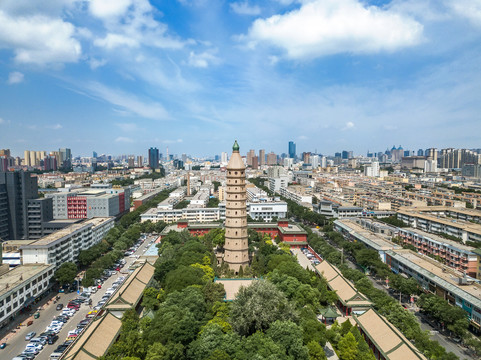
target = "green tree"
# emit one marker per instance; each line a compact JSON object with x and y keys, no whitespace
{"x":288,"y":335}
{"x":347,"y":347}
{"x":258,"y":306}
{"x":66,"y":273}
{"x":316,"y":352}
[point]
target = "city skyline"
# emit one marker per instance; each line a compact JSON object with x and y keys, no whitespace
{"x":122,"y":76}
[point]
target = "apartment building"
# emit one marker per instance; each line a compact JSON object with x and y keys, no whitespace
{"x":298,"y":194}
{"x":422,"y":220}
{"x":64,"y":245}
{"x":451,"y":253}
{"x":440,"y":280}
{"x":20,"y":287}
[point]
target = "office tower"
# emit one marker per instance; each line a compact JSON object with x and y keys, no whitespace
{"x":292,"y":149}
{"x":94,"y":155}
{"x":262,"y":157}
{"x":140,"y":161}
{"x":131,"y":161}
{"x":154,"y":158}
{"x":420,"y":152}
{"x":345,"y":154}
{"x":315,"y":161}
{"x":236,"y":246}
{"x":65,"y":157}
{"x":19,"y":187}
{"x":250,"y":155}
{"x":184,"y":158}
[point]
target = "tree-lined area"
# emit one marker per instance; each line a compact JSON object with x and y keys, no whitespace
{"x":274,"y":318}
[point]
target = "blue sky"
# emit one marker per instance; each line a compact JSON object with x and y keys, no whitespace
{"x":119,"y":76}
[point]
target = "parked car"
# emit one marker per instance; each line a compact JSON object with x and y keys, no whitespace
{"x":52,"y":339}
{"x":3,"y":345}
{"x":59,"y":306}
{"x":30,"y":335}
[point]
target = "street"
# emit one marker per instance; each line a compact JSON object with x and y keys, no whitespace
{"x":16,"y":342}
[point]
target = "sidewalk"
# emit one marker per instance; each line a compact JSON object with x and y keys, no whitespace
{"x":9,"y":332}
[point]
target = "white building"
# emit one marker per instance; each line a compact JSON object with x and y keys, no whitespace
{"x":315,"y":161}
{"x":64,"y":245}
{"x":288,"y":163}
{"x":20,"y":287}
{"x":298,"y":197}
{"x":254,"y":194}
{"x":372,"y":170}
{"x":430,"y":166}
{"x":323,"y":162}
{"x":267,"y":210}
{"x":276,"y":183}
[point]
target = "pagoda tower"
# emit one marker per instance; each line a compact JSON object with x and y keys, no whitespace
{"x":236,"y":247}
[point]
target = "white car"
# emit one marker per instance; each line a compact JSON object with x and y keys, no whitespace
{"x":37,"y":347}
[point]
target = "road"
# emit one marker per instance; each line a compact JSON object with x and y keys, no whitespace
{"x":303,"y":260}
{"x":16,"y":343}
{"x":443,"y":340}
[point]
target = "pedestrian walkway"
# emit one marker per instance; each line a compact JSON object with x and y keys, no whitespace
{"x":303,"y":260}
{"x":330,"y":353}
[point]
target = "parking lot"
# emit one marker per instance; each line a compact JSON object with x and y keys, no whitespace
{"x":16,"y":342}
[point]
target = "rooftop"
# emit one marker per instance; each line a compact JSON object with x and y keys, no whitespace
{"x":96,"y":339}
{"x":232,"y":286}
{"x":388,"y":340}
{"x":456,"y":223}
{"x":345,"y":290}
{"x":374,"y":240}
{"x":19,"y":275}
{"x":444,"y":276}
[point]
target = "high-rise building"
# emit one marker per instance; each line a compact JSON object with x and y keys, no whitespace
{"x":65,"y":157}
{"x":323,"y":162}
{"x":50,"y":163}
{"x":131,"y":161}
{"x":19,"y":188}
{"x":255,"y":163}
{"x":271,"y":158}
{"x":223,"y":158}
{"x":306,"y":157}
{"x":140,"y":161}
{"x":154,"y":158}
{"x":315,"y":161}
{"x":236,"y":246}
{"x":94,"y":155}
{"x":262,"y":157}
{"x":292,"y":149}
{"x":420,"y":152}
{"x":250,"y":156}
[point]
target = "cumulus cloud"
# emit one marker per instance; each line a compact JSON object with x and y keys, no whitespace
{"x":243,"y":8}
{"x":2,"y":121}
{"x":326,"y":27}
{"x":39,"y":39}
{"x":128,"y":102}
{"x":54,"y":127}
{"x":15,"y":77}
{"x":349,"y":125}
{"x":107,"y":9}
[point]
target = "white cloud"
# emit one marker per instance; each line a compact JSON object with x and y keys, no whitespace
{"x":243,"y":8}
{"x":15,"y":77}
{"x":470,"y":9}
{"x":203,"y":59}
{"x":96,"y":63}
{"x":131,"y":23}
{"x":123,"y":139}
{"x":54,"y":127}
{"x":325,"y":27}
{"x":128,"y":102}
{"x":39,"y":39}
{"x":109,"y":8}
{"x":2,"y":121}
